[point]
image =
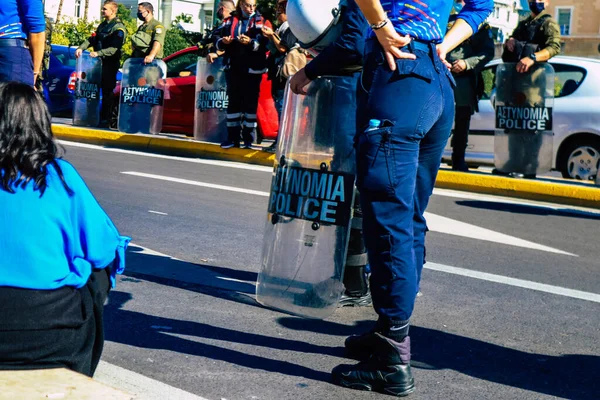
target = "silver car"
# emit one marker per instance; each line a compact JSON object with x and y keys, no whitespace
{"x":576,"y":119}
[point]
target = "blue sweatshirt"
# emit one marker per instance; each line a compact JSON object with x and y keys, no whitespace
{"x":57,"y":239}
{"x":427,"y":19}
{"x":21,"y":17}
{"x":345,"y":54}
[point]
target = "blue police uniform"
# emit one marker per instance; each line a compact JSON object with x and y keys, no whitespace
{"x":397,"y":164}
{"x":18,"y":18}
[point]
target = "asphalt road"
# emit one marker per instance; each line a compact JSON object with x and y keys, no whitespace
{"x":510,"y":305}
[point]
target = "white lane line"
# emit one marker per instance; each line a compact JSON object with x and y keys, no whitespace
{"x":437,"y":223}
{"x":228,"y":164}
{"x":139,"y":385}
{"x":540,"y":287}
{"x":196,"y":183}
{"x":157,"y":212}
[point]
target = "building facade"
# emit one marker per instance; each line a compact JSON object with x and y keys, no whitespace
{"x":579,"y":22}
{"x":200,"y":11}
{"x":73,"y":9}
{"x":506,"y":16}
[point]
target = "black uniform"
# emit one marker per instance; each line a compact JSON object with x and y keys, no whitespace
{"x":107,"y":41}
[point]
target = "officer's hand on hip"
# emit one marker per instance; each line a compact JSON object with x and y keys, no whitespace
{"x":211,"y":57}
{"x":299,"y":81}
{"x":442,"y":51}
{"x":392,"y":42}
{"x":524,"y":64}
{"x":458,"y":66}
{"x":93,"y":54}
{"x":148,"y":59}
{"x":78,"y":53}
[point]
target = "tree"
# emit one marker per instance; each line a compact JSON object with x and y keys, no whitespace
{"x":267,"y":9}
{"x":86,"y":7}
{"x":59,"y":12}
{"x":124,"y":13}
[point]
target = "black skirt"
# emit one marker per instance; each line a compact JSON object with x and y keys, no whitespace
{"x":54,"y":328}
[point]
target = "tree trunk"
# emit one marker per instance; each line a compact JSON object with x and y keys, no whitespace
{"x":58,"y":14}
{"x":85,"y":10}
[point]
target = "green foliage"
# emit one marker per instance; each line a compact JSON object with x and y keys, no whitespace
{"x":124,"y":13}
{"x":73,"y":33}
{"x":177,"y":39}
{"x":185,"y":18}
{"x":267,"y":9}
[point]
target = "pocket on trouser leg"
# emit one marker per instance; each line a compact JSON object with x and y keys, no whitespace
{"x":375,"y":162}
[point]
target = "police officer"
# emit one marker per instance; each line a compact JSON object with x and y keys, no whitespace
{"x":409,"y":107}
{"x":149,"y":40}
{"x":343,"y":56}
{"x":22,"y":36}
{"x":224,"y":10}
{"x":245,"y":59}
{"x":467,"y":61}
{"x":107,"y":42}
{"x":536,"y":39}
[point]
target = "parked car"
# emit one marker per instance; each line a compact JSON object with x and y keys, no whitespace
{"x":59,"y":80}
{"x":178,"y":115}
{"x":576,"y":119}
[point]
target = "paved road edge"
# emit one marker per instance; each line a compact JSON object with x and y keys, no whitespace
{"x":575,"y":194}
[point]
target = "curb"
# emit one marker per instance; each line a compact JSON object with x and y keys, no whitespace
{"x":574,"y":194}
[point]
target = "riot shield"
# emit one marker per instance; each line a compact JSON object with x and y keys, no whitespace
{"x":210,"y":113}
{"x":142,"y":96}
{"x":523,"y":140}
{"x":86,"y":108}
{"x":309,"y":209}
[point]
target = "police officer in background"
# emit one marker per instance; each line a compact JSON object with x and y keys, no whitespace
{"x":536,"y":39}
{"x":149,"y":40}
{"x":107,"y":42}
{"x":22,"y":36}
{"x":467,"y":62}
{"x":224,"y":10}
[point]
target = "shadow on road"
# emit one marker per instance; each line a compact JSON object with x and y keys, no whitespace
{"x":571,"y":376}
{"x":152,"y":332}
{"x":527,"y":209}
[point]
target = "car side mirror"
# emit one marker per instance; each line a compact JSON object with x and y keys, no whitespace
{"x":185,"y":73}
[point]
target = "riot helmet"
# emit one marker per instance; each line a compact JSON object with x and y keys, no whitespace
{"x":315,"y":23}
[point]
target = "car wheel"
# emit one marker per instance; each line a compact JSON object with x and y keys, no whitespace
{"x":581,"y":160}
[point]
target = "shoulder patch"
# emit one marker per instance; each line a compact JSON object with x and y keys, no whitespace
{"x":120,"y":33}
{"x":159,"y":30}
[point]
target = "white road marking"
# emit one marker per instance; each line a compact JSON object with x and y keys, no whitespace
{"x":435,"y":222}
{"x":540,"y":287}
{"x":157,"y":212}
{"x":228,"y":164}
{"x":142,"y":387}
{"x":196,"y":183}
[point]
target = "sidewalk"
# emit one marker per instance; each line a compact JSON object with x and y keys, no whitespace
{"x":545,"y":188}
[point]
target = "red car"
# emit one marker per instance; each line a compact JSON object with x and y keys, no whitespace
{"x":178,"y":116}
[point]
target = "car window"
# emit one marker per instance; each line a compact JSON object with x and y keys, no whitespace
{"x":184,"y":62}
{"x":567,"y":79}
{"x":65,"y":57}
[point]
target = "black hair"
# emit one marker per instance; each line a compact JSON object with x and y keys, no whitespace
{"x":27,"y":145}
{"x":148,"y":6}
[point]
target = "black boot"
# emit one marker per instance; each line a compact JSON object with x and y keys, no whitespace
{"x":387,"y":371}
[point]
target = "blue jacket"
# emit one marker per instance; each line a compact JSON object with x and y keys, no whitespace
{"x":345,"y":55}
{"x":427,"y":20}
{"x":18,"y":18}
{"x":55,"y":240}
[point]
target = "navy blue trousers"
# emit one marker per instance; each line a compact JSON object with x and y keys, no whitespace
{"x":16,"y":65}
{"x":397,"y":166}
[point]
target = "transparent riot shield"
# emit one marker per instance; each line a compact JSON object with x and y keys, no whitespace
{"x":142,"y":96}
{"x":210,"y":114}
{"x":523,"y":141}
{"x":86,"y":108}
{"x":309,"y":209}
